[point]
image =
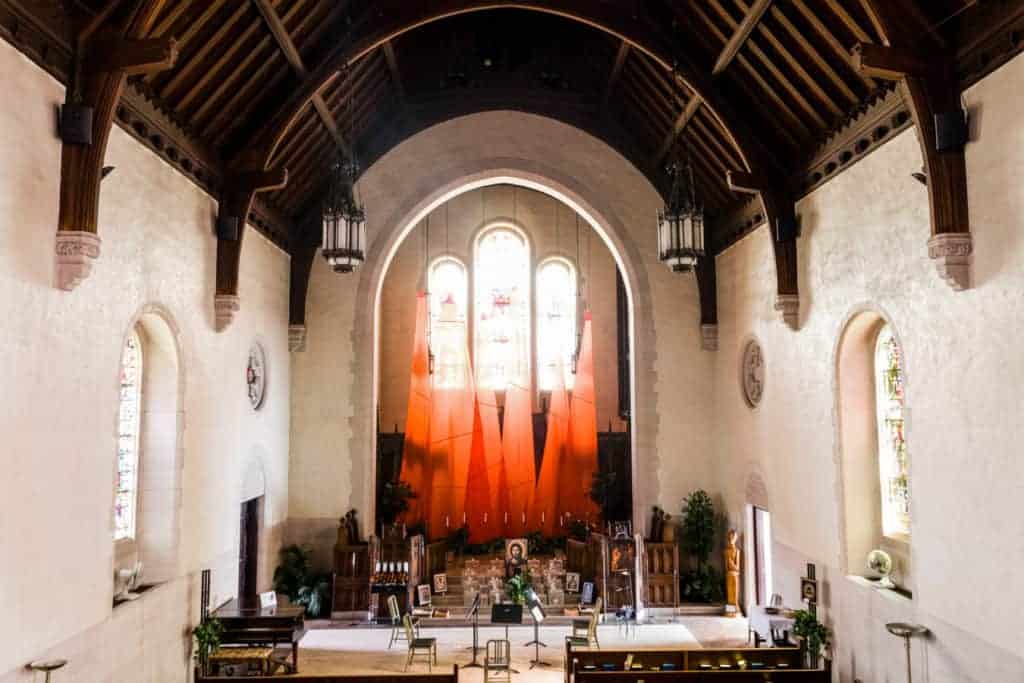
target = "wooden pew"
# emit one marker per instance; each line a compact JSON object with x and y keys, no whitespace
{"x":741,"y":665}
{"x":450,"y":677}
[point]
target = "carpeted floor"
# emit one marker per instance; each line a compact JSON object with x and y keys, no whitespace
{"x":364,"y":650}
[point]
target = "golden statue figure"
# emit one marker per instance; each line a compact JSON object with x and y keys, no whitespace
{"x":732,"y":575}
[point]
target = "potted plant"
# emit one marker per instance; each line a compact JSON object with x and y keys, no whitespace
{"x":814,"y":637}
{"x":704,"y":583}
{"x":518,"y":586}
{"x":296,"y":578}
{"x":207,"y":636}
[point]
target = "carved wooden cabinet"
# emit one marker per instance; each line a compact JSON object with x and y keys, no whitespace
{"x":351,"y":578}
{"x":661,"y":570}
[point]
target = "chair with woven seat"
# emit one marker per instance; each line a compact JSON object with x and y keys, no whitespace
{"x":584,"y":631}
{"x":419,"y":647}
{"x":397,"y":630}
{"x":498,"y":661}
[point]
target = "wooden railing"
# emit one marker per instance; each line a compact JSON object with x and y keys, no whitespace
{"x":449,"y":677}
{"x":669,"y":666}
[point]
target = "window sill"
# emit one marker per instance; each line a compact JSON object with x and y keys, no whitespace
{"x":897,"y":594}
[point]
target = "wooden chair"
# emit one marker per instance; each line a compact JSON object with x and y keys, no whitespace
{"x":584,"y":631}
{"x":498,"y":661}
{"x":397,"y":631}
{"x":426,"y":647}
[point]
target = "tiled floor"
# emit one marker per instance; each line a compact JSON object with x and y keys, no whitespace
{"x":365,"y":650}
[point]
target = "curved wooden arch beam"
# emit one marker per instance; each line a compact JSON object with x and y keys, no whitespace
{"x":780,"y":212}
{"x":107,"y":57}
{"x":389,"y":19}
{"x":240,"y":190}
{"x":927,"y":76}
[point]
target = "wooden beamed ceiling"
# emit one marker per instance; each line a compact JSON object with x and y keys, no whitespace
{"x":785,"y":66}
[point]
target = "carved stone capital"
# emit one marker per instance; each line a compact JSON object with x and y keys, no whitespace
{"x":951,"y":252}
{"x":225,"y":306}
{"x":75,"y":251}
{"x":296,"y":338}
{"x":789,"y":306}
{"x":709,"y":337}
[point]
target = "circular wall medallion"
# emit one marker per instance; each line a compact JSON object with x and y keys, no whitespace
{"x":256,"y":375}
{"x":752,"y":373}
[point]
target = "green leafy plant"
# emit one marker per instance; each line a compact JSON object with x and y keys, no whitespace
{"x":296,"y":578}
{"x":698,"y":527}
{"x":704,"y":583}
{"x":518,"y":586}
{"x":578,"y":530}
{"x":207,"y":636}
{"x":814,"y":636}
{"x":394,"y":500}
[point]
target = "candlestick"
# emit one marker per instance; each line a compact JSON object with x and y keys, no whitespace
{"x":446,"y":521}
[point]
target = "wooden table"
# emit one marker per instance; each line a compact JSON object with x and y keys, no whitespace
{"x":244,"y":656}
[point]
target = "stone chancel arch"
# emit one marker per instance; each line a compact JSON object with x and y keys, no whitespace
{"x":342,"y":321}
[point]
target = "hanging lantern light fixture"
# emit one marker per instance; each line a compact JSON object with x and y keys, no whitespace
{"x":681,"y":222}
{"x":344,"y":218}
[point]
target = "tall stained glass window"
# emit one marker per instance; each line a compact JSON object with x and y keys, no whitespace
{"x":892,"y":448}
{"x":556,"y":322}
{"x":502,"y":309}
{"x":448,"y":287}
{"x":128,"y":438}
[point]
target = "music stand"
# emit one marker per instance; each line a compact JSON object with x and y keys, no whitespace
{"x":507,"y":614}
{"x":474,"y":616}
{"x":537,"y":612}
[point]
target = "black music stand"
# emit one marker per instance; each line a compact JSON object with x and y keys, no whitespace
{"x":474,"y":616}
{"x":537,"y":612}
{"x":507,"y":614}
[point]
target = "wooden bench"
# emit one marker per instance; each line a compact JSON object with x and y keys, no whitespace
{"x":720,"y":665}
{"x":450,"y":677}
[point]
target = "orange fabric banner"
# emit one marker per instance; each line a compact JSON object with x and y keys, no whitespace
{"x":451,"y":441}
{"x":479,"y":509}
{"x":546,"y":506}
{"x":577,"y":479}
{"x":519,"y":460}
{"x":417,"y":421}
{"x":494,"y":463}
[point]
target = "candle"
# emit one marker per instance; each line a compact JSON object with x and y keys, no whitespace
{"x":463,"y":519}
{"x":446,"y":521}
{"x":485,"y":518}
{"x":506,"y":519}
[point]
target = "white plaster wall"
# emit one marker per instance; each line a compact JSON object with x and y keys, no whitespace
{"x":332,"y":462}
{"x":863,"y":242}
{"x":59,"y":356}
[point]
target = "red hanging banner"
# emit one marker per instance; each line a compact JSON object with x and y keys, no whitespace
{"x":417,"y":421}
{"x":583,"y":434}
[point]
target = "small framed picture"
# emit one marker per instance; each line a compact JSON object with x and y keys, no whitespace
{"x":572,"y":582}
{"x":809,"y":589}
{"x":423,"y":593}
{"x":268,"y":599}
{"x":516,"y":552}
{"x":621,"y":530}
{"x":440,"y":583}
{"x":588,"y":593}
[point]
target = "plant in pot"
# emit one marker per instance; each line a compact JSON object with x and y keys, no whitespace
{"x":394,"y":500}
{"x":814,"y":637}
{"x":518,"y":586}
{"x":207,"y":636}
{"x":705,"y":582}
{"x":296,"y":578}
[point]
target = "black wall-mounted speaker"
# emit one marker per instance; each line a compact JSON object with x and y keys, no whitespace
{"x":950,"y":130}
{"x":76,"y":124}
{"x":787,"y":229}
{"x":227,"y":227}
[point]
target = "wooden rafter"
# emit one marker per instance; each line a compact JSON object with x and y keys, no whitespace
{"x":740,"y":35}
{"x":613,"y":77}
{"x":396,"y":74}
{"x":680,"y":123}
{"x":108,"y":55}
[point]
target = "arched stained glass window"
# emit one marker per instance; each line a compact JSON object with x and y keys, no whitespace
{"x":448,"y":285}
{"x":556,"y":322}
{"x":128,"y":438}
{"x":502,"y":309}
{"x":892,"y":448}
